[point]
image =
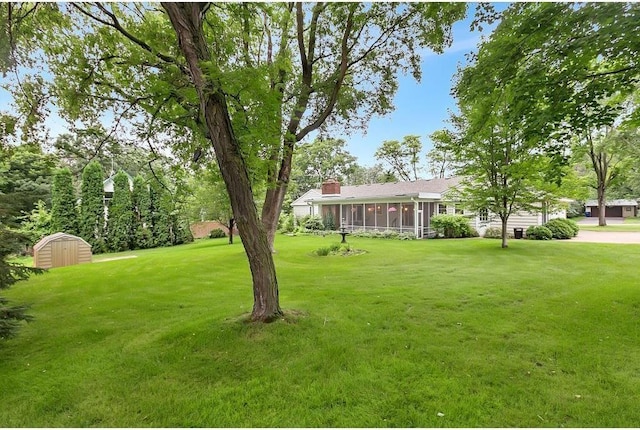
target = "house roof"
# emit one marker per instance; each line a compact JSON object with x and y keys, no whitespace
{"x":107,"y":184}
{"x":424,"y":188}
{"x":302,"y":200}
{"x":45,"y":240}
{"x":619,"y":202}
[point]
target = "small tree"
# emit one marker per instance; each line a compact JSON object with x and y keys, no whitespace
{"x":10,"y":273}
{"x":120,"y":217}
{"x":92,"y":218}
{"x":64,"y":216}
{"x":329,"y":221}
{"x":37,"y":224}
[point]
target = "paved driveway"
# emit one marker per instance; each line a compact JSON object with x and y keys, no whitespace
{"x":607,"y":236}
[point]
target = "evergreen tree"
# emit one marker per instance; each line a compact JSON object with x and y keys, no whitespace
{"x":92,"y":207}
{"x":141,"y":214}
{"x":182,"y":232}
{"x":160,"y":214}
{"x":10,"y":273}
{"x":120,"y":213}
{"x":64,"y":217}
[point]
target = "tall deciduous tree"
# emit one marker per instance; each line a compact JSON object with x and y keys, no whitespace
{"x":320,"y":160}
{"x":249,"y":80}
{"x":610,"y":154}
{"x":403,"y":157}
{"x":375,"y":174}
{"x":64,"y":213}
{"x":541,"y":79}
{"x":439,"y":159}
{"x":92,"y":216}
{"x":120,"y":214}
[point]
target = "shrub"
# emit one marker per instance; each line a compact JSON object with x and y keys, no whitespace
{"x":560,"y":229}
{"x":343,"y":249}
{"x":286,"y":223}
{"x":313,"y":223}
{"x":407,"y":236}
{"x":329,"y":222}
{"x":323,"y":252}
{"x":217,"y":233}
{"x":539,"y":232}
{"x":451,"y":226}
{"x":571,"y":223}
{"x":495,"y":233}
{"x":390,"y":234}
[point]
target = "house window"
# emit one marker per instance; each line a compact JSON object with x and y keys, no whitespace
{"x":459,"y":210}
{"x":442,"y":209}
{"x":483,"y":214}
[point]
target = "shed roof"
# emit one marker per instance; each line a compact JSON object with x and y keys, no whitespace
{"x":45,"y":240}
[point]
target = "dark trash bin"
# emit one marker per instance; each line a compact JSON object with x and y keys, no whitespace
{"x":517,"y":233}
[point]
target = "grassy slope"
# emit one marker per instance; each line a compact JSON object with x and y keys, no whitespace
{"x":485,"y":336}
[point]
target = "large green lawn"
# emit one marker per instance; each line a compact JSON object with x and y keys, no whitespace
{"x":430,"y":333}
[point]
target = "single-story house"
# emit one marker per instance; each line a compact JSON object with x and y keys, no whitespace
{"x":613,"y":208}
{"x":402,"y":206}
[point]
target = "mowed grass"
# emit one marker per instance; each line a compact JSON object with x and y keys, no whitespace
{"x":436,"y":333}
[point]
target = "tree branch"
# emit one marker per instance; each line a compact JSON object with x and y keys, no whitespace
{"x":341,"y":72}
{"x":115,"y":23}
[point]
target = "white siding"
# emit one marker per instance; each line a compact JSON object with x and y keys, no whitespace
{"x":517,"y":220}
{"x":300,"y":211}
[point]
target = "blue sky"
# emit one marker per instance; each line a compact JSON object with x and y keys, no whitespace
{"x":421,"y":108}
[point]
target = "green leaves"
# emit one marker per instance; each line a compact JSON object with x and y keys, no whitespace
{"x":403,"y":157}
{"x":92,"y":216}
{"x":64,"y":215}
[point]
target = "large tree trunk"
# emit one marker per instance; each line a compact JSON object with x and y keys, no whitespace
{"x":271,"y":211}
{"x":186,"y":19}
{"x":276,"y":193}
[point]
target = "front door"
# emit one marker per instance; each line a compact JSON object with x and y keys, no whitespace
{"x":420,"y":224}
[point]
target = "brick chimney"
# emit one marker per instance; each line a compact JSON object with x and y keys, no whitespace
{"x":331,"y":186}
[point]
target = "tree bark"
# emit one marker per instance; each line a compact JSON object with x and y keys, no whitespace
{"x":504,"y":232}
{"x":232,"y":223}
{"x":602,"y":205}
{"x":186,"y":19}
{"x":275,"y":195}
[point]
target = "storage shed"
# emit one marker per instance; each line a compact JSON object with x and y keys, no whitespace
{"x":61,"y":249}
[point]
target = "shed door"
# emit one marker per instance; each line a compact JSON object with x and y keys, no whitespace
{"x":64,"y":253}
